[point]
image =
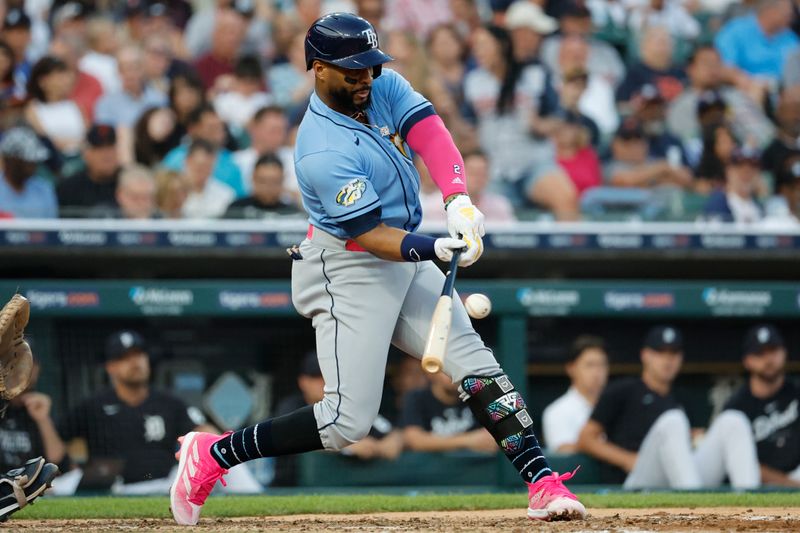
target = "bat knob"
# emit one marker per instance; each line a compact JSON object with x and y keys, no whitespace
{"x":431,"y":365}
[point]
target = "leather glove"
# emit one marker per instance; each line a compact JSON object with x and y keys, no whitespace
{"x":444,"y":248}
{"x":465,"y":221}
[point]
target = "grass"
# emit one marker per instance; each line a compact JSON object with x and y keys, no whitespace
{"x":228,"y":506}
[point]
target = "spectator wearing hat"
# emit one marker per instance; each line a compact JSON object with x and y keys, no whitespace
{"x":639,"y":430}
{"x":528,"y":25}
{"x":95,"y":185}
{"x":707,"y":90}
{"x":757,"y":44}
{"x":16,"y":33}
{"x":130,"y":421}
{"x":587,"y":368}
{"x":603,"y":59}
{"x":650,"y":107}
{"x":50,"y":110}
{"x":23,"y":194}
{"x":631,"y":164}
{"x":771,"y":402}
{"x":738,"y":201}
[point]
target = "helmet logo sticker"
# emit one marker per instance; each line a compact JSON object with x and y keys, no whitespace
{"x":372,"y":37}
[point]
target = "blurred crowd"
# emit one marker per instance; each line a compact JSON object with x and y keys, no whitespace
{"x":569,"y":109}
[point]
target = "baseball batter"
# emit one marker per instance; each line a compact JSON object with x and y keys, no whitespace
{"x":367,"y":280}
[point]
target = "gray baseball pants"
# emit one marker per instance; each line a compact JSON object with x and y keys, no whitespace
{"x":359,"y":305}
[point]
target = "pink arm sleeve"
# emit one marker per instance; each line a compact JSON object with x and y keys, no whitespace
{"x":431,"y":140}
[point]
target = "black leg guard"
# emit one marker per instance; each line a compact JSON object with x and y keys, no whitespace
{"x":502,"y":411}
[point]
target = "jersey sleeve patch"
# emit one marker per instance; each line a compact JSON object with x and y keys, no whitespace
{"x":351,"y":192}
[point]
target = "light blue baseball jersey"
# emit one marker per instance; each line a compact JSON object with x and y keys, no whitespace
{"x":345,"y":169}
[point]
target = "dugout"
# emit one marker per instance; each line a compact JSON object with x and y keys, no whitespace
{"x":218,"y":296}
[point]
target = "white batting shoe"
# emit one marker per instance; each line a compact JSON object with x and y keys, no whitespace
{"x":549,"y":499}
{"x":198,"y":472}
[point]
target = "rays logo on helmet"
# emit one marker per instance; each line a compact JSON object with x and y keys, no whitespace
{"x":372,"y":37}
{"x":351,"y":193}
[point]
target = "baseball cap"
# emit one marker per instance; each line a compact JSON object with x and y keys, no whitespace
{"x":121,"y":342}
{"x":22,"y":143}
{"x":664,"y":338}
{"x":16,"y":18}
{"x":500,"y":6}
{"x":575,"y":10}
{"x":531,"y":16}
{"x":630,"y":129}
{"x":101,"y":135}
{"x":311,"y":365}
{"x":745,"y":154}
{"x":69,"y":11}
{"x":761,"y":337}
{"x":710,"y":100}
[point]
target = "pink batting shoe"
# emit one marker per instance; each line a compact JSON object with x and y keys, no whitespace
{"x":198,"y":472}
{"x":549,"y":499}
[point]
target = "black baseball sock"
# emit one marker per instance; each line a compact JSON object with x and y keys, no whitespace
{"x":284,"y":435}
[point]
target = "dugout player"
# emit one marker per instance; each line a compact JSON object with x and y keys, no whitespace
{"x":771,"y":402}
{"x":366,"y":280}
{"x":640,"y":431}
{"x":130,"y":420}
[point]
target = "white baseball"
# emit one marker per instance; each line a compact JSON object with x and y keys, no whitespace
{"x":478,"y":305}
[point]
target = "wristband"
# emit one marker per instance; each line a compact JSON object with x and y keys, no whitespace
{"x":453,"y":197}
{"x":415,"y":248}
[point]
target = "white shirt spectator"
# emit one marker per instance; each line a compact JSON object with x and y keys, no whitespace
{"x":211,"y":203}
{"x":597,"y":103}
{"x":563,"y":419}
{"x":63,"y":122}
{"x":673,"y":16}
{"x":237,"y":109}
{"x":104,"y":68}
{"x":246,"y":161}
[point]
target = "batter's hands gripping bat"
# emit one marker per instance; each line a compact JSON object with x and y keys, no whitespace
{"x":436,"y":345}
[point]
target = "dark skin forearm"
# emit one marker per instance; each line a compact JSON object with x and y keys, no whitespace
{"x":383,"y":241}
{"x":771,"y":476}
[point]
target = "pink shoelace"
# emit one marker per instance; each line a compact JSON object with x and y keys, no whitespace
{"x":206,"y":484}
{"x":553,"y":485}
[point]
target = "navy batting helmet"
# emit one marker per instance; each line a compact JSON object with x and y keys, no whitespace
{"x":345,"y":40}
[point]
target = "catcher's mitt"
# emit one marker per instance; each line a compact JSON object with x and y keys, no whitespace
{"x":16,"y":360}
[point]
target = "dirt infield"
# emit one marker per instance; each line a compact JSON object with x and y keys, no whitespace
{"x":777,"y":519}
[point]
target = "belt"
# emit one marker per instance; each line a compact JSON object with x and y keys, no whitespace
{"x":326,"y":240}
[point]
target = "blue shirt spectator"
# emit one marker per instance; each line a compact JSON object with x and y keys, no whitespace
{"x":225,"y":170}
{"x":124,"y":107}
{"x":22,"y":193}
{"x":758,"y":43}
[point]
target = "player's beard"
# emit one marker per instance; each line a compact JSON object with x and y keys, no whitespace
{"x":344,"y":100}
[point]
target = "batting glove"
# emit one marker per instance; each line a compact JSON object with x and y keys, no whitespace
{"x":466,"y":220}
{"x":445,"y":246}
